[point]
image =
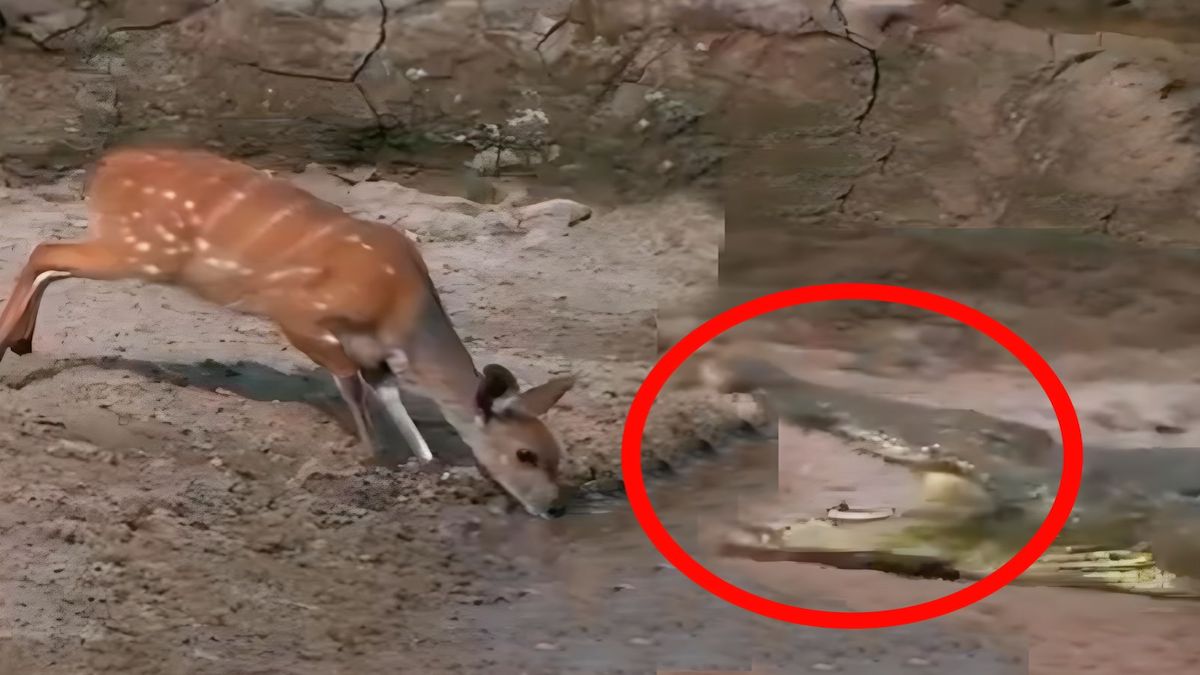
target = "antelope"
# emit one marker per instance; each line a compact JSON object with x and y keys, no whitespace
{"x":352,"y":295}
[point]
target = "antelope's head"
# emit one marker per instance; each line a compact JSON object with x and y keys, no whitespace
{"x":518,"y":451}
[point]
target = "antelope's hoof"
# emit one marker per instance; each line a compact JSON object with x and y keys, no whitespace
{"x":21,"y":347}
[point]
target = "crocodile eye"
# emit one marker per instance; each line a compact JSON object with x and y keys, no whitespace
{"x":527,"y":457}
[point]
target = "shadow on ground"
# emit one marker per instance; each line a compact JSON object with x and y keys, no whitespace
{"x":256,"y":382}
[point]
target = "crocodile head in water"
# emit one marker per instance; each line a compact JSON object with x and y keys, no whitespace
{"x":988,"y":484}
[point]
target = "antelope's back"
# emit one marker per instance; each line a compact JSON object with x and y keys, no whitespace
{"x":200,"y":189}
{"x":230,"y":231}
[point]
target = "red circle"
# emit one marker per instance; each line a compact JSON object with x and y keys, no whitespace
{"x":1060,"y":510}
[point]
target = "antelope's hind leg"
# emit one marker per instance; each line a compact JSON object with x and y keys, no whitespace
{"x":48,"y":263}
{"x":23,"y":344}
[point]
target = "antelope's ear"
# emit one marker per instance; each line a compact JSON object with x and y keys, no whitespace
{"x":497,"y":387}
{"x":538,"y":400}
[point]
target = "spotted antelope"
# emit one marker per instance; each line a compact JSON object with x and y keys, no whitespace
{"x":352,"y":295}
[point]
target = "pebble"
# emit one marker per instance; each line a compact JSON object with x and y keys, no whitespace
{"x":73,"y":449}
{"x":641,"y":641}
{"x":919,"y":662}
{"x":204,"y":655}
{"x":546,"y":647}
{"x":824,"y":667}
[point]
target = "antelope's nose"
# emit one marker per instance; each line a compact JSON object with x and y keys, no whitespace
{"x":556,"y":511}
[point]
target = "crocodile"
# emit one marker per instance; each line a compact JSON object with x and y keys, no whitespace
{"x":988,"y":484}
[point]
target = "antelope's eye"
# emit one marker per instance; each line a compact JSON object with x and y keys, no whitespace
{"x":527,"y":457}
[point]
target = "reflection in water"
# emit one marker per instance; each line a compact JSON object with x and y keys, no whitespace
{"x":600,"y":527}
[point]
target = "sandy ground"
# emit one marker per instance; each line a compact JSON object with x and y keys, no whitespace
{"x":181,"y":493}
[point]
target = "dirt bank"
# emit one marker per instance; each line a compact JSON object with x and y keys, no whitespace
{"x":888,"y":112}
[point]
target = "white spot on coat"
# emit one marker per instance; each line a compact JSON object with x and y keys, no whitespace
{"x":291,"y":271}
{"x":202,"y":244}
{"x":151,"y":269}
{"x":143,"y":246}
{"x":169,"y":194}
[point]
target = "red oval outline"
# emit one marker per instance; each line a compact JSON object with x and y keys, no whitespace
{"x":1059,"y":513}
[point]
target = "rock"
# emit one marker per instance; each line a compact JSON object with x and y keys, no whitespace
{"x":356,"y":174}
{"x":292,"y":37}
{"x":81,"y":450}
{"x":317,"y":180}
{"x":40,"y":20}
{"x":310,"y":79}
{"x":1177,"y":20}
{"x":388,"y":199}
{"x":553,"y":212}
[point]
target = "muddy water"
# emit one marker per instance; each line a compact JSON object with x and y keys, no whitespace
{"x":596,"y":597}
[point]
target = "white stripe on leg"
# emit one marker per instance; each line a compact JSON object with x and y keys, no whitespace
{"x":389,"y":394}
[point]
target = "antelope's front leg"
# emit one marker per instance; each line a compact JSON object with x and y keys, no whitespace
{"x":389,"y":394}
{"x":383,"y":383}
{"x":354,"y":393}
{"x":326,"y":351}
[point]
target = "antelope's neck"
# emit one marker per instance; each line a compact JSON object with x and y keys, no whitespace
{"x":442,"y":367}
